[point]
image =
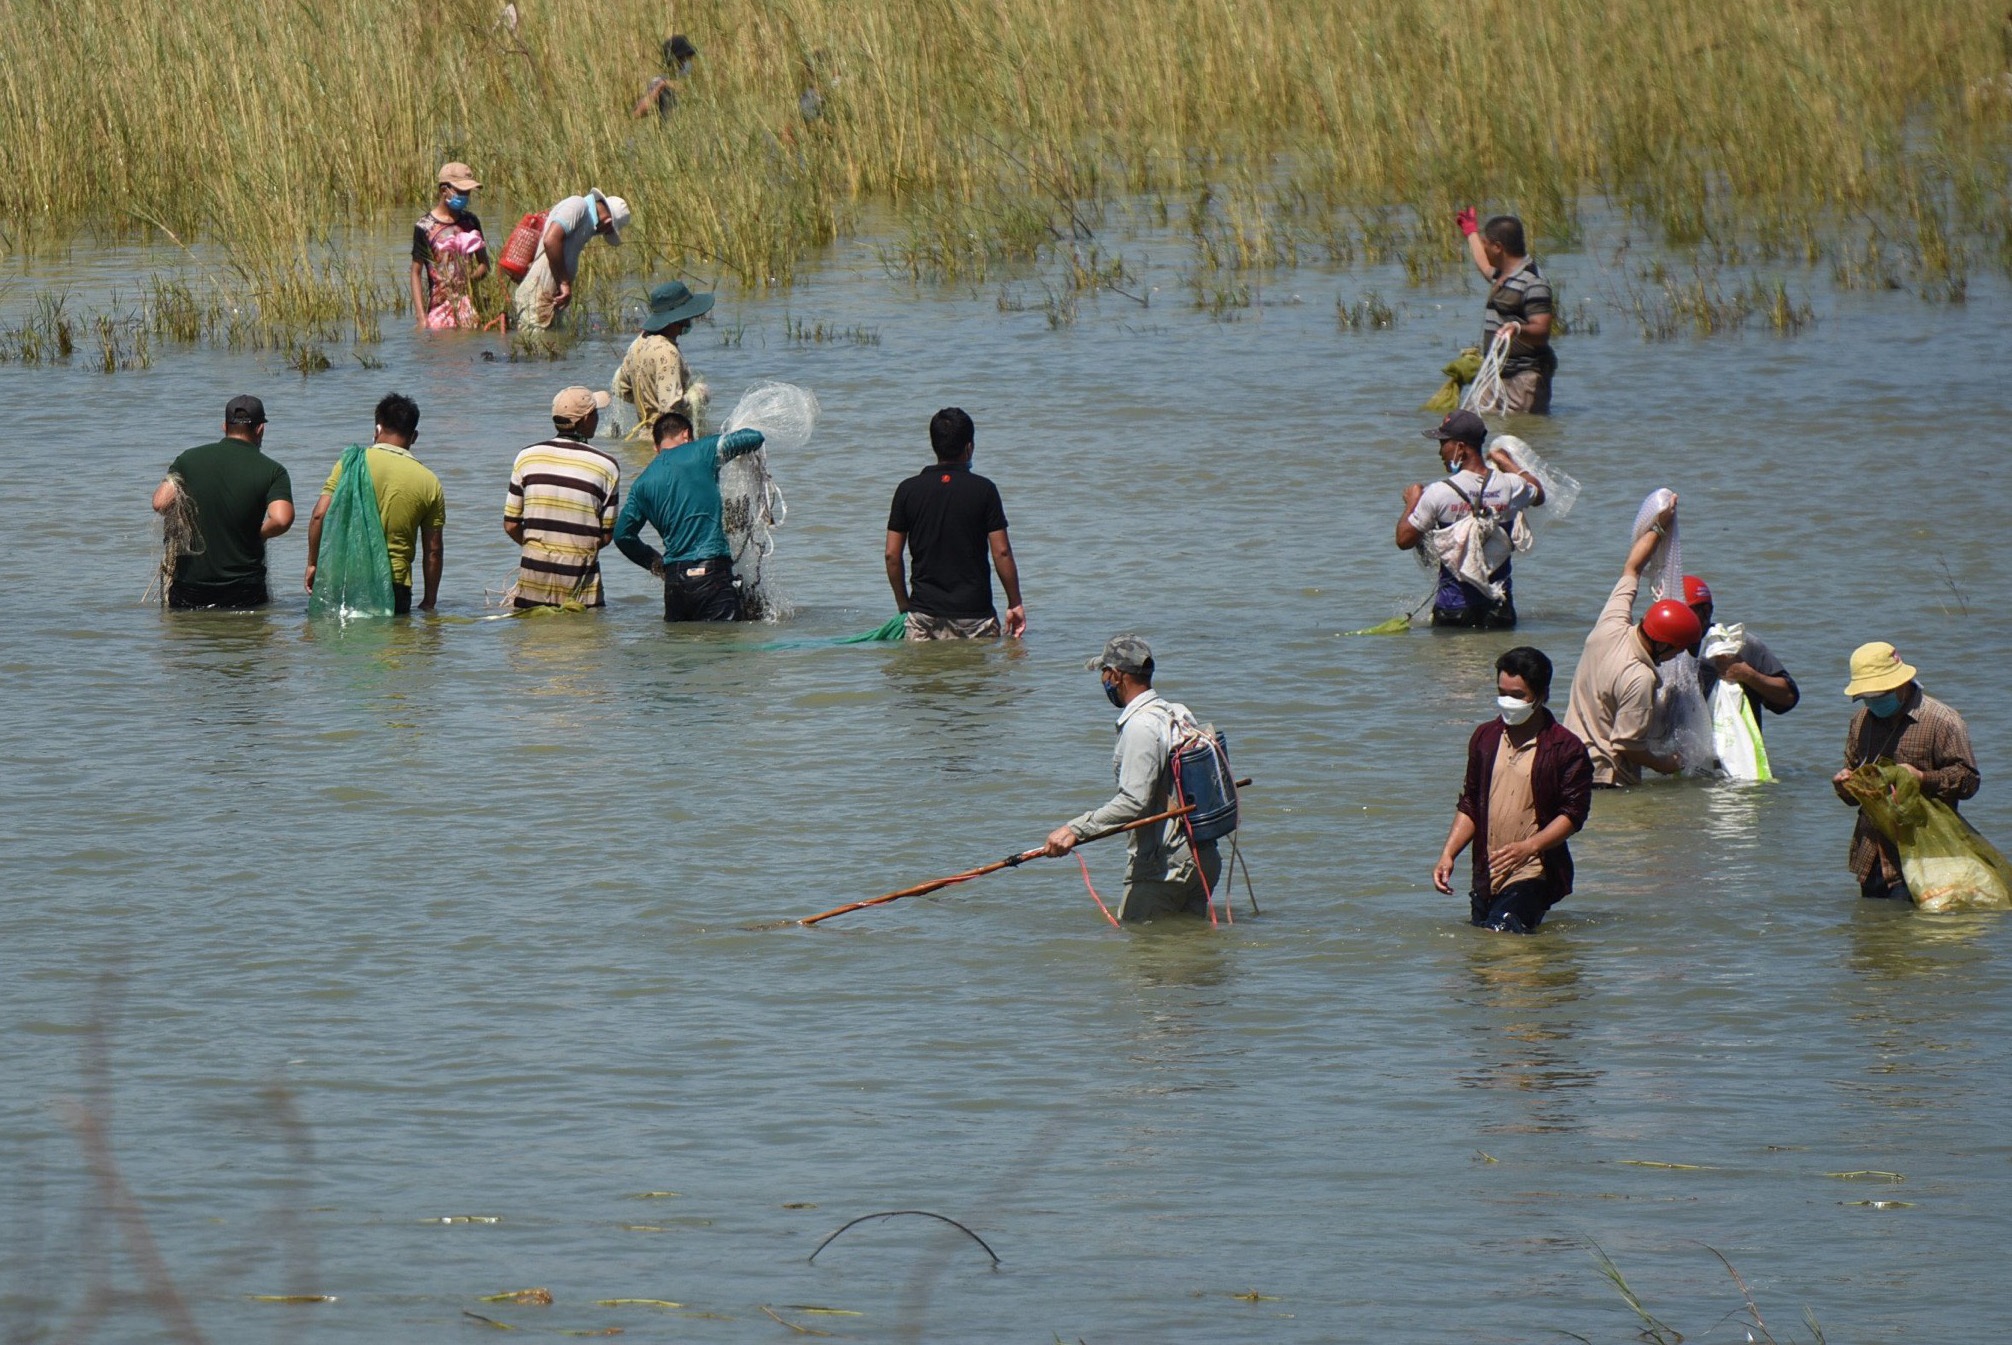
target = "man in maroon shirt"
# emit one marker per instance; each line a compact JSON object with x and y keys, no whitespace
{"x":1529,"y":787}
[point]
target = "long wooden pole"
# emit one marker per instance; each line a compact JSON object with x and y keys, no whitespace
{"x":1011,"y":861}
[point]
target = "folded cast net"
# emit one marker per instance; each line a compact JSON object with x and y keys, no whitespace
{"x":181,"y":535}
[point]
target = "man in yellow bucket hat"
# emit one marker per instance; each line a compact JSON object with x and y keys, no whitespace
{"x":1897,"y":721}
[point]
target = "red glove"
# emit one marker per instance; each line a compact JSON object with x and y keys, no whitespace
{"x":1469,"y":222}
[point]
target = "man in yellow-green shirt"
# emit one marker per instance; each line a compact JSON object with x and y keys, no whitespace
{"x":409,"y":501}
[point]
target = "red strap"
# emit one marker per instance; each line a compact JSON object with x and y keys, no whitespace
{"x":1084,"y":865}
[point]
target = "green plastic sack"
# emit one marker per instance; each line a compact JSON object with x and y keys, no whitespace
{"x":1460,"y":371}
{"x":352,"y":572}
{"x":1947,"y":866}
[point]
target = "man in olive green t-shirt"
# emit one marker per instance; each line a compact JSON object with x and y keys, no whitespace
{"x":409,"y":502}
{"x":240,"y":498}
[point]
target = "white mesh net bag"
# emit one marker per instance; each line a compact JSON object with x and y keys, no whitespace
{"x":1681,"y":712}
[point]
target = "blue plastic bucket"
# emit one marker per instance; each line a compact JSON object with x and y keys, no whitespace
{"x":1202,"y":777}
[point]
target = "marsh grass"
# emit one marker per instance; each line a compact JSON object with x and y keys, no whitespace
{"x":1655,"y":1331}
{"x":997,"y":135}
{"x":799,"y":332}
{"x":1667,"y":304}
{"x":1367,"y":314}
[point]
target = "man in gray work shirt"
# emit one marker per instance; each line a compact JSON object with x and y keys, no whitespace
{"x":1161,"y":876}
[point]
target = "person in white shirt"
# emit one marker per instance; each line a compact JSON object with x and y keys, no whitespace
{"x":547,"y":288}
{"x":1475,"y":589}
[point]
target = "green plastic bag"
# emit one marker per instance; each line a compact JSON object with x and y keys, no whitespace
{"x":1947,"y":866}
{"x":1460,"y":371}
{"x":352,"y":572}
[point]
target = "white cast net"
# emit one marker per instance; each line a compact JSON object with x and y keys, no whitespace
{"x":1560,"y":490}
{"x":1685,"y":720}
{"x":753,"y":506}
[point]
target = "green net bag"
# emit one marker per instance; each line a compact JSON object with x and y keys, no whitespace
{"x":1460,"y":371}
{"x":1947,"y":865}
{"x":352,"y":573}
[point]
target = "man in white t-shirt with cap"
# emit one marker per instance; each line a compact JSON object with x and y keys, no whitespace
{"x":547,"y":288}
{"x":1490,"y":484}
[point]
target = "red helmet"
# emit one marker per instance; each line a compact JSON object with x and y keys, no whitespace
{"x":1696,"y":591}
{"x":1670,"y":622}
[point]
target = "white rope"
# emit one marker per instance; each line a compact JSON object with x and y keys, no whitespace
{"x":1486,"y":395}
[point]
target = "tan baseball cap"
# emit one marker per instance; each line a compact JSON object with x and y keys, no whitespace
{"x":457,"y":175}
{"x":575,"y":404}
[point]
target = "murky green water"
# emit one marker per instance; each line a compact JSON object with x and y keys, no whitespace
{"x":476,"y":897}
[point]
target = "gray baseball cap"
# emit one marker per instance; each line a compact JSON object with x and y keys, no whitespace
{"x":1125,"y":654}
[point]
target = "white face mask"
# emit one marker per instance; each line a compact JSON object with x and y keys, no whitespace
{"x":1515,"y":711}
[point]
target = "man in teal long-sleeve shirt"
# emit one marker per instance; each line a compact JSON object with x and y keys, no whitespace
{"x":678,"y":494}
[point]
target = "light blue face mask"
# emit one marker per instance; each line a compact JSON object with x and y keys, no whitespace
{"x":1883,"y":706}
{"x":458,"y":202}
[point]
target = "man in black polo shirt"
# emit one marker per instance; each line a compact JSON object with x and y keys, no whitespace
{"x":241,"y":498}
{"x":949,"y":517}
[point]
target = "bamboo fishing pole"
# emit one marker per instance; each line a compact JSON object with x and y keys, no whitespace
{"x":1010,"y":862}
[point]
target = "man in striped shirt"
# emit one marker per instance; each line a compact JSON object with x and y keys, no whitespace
{"x":564,"y":494}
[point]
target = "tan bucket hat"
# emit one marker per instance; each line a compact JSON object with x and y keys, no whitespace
{"x":1877,"y":667}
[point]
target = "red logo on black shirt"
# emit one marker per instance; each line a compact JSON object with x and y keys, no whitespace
{"x":946,"y":478}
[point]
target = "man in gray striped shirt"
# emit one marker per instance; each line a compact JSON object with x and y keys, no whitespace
{"x":1519,"y":299}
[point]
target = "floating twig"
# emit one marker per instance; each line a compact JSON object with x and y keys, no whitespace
{"x":927,"y":1214}
{"x":800,"y":1330}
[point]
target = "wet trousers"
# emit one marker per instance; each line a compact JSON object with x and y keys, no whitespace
{"x":1517,"y":909}
{"x":1179,"y":893}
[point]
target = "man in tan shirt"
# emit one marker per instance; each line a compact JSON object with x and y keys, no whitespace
{"x":1529,"y":787}
{"x":654,"y":377}
{"x":1613,"y":706}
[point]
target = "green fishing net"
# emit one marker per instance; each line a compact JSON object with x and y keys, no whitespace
{"x":1459,"y":371}
{"x":1947,"y":866}
{"x":894,"y":628}
{"x":352,"y":573}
